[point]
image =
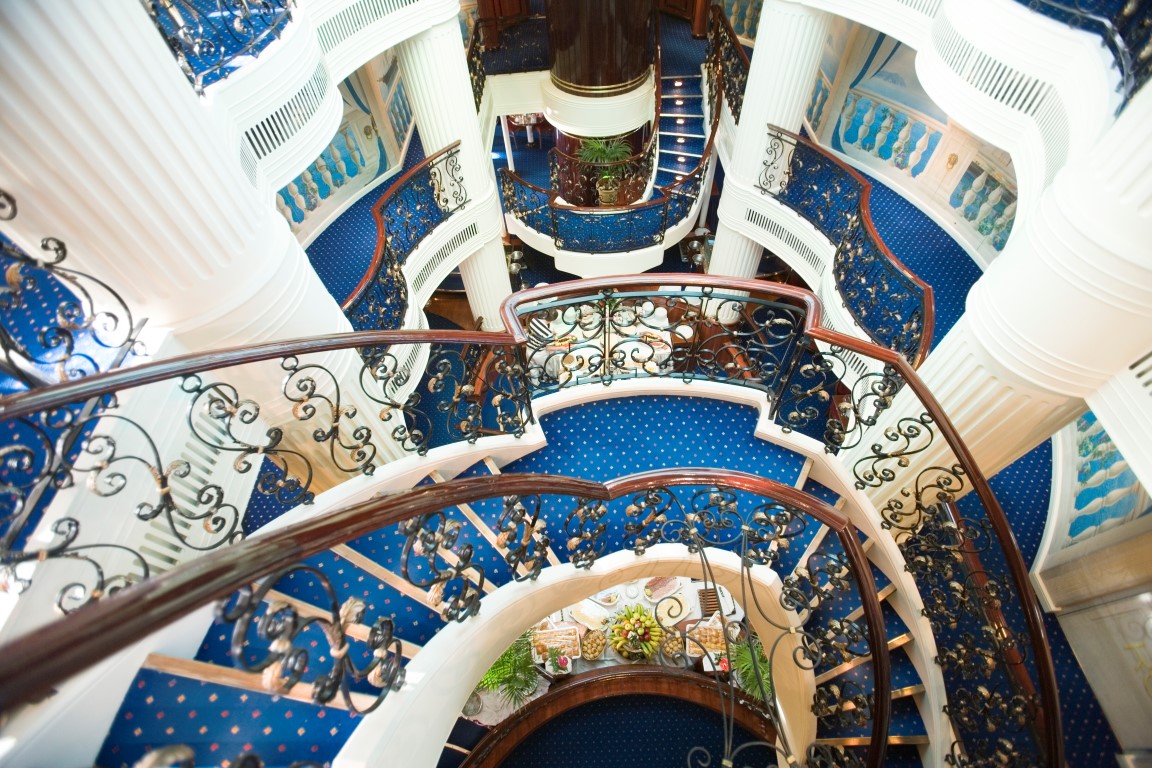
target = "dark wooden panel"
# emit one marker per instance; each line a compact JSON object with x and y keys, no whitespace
{"x":600,"y":47}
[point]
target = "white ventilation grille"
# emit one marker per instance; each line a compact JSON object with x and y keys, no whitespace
{"x":159,"y":546}
{"x":1010,"y":87}
{"x":429,"y":267}
{"x":926,"y":7}
{"x":781,"y":233}
{"x":248,"y":162}
{"x":268,"y":135}
{"x":354,"y":18}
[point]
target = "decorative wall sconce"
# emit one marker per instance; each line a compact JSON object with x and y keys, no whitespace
{"x":952,"y":158}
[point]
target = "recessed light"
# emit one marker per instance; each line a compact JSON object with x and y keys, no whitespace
{"x":679,"y":141}
{"x":681,"y":159}
{"x":679,"y":121}
{"x":677,"y":83}
{"x":679,"y":102}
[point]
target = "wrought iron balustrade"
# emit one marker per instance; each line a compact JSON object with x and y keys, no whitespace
{"x":725,"y":50}
{"x":108,"y":440}
{"x":704,"y":511}
{"x":886,"y":299}
{"x":212,"y":38}
{"x":1000,"y":683}
{"x":613,"y":229}
{"x":420,"y":200}
{"x":1001,"y":688}
{"x":1125,"y":27}
{"x":57,"y":324}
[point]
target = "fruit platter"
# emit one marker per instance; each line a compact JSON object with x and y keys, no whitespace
{"x":634,"y":633}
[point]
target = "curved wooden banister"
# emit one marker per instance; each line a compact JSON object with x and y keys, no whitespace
{"x":718,"y":16}
{"x":381,"y":234}
{"x":1018,"y":569}
{"x":31,"y":665}
{"x":929,"y":321}
{"x":110,"y":382}
{"x":611,"y":682}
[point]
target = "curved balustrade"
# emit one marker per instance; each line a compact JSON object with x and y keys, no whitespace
{"x":725,"y":48}
{"x":705,"y":510}
{"x":612,"y":229}
{"x":107,"y":437}
{"x":1001,"y":694}
{"x":212,"y":38}
{"x":1124,"y":27}
{"x":886,"y":299}
{"x":421,"y":200}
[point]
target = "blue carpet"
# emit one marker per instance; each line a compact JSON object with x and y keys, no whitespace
{"x":928,"y":251}
{"x":630,"y":731}
{"x":343,"y":252}
{"x":611,"y":438}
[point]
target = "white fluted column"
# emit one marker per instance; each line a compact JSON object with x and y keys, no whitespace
{"x":1065,"y":307}
{"x":789,"y":40}
{"x":440,"y":92}
{"x":487,"y":284}
{"x":108,"y":147}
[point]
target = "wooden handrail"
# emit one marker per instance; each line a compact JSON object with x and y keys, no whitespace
{"x":110,"y":382}
{"x":1030,"y":605}
{"x":377,"y":215}
{"x":726,"y":23}
{"x":612,"y":682}
{"x":666,"y":192}
{"x":32,"y":664}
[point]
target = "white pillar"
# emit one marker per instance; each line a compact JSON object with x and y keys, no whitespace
{"x":789,"y":40}
{"x":108,"y":147}
{"x":440,"y":92}
{"x":1064,"y":308}
{"x":487,"y":284}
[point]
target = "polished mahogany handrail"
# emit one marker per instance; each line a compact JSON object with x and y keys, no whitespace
{"x":667,"y":192}
{"x":657,"y":72}
{"x":612,"y":682}
{"x":377,"y":215}
{"x":109,"y":382}
{"x":865,"y":208}
{"x":1018,"y":569}
{"x":718,"y":15}
{"x":32,"y":664}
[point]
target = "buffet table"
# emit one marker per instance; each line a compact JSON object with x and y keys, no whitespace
{"x":674,"y":601}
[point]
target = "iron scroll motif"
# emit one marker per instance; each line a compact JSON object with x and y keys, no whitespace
{"x":210,"y":40}
{"x":183,"y":756}
{"x":888,"y":302}
{"x":273,"y":638}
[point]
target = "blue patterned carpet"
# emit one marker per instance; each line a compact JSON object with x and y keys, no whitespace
{"x":342,"y":253}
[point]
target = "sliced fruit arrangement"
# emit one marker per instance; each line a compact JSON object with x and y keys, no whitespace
{"x":635,"y":633}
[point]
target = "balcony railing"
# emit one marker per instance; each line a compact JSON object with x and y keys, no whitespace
{"x":420,"y":201}
{"x":613,"y":229}
{"x":725,"y":48}
{"x":885,"y":298}
{"x":1001,"y":695}
{"x":212,"y":38}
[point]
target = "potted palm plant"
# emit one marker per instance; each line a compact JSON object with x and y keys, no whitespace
{"x":601,"y":152}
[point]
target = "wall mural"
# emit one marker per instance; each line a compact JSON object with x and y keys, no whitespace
{"x":835,"y":45}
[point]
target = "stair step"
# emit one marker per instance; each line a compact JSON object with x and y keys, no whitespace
{"x":220,"y":722}
{"x":861,"y":741}
{"x":905,"y":721}
{"x":837,"y":671}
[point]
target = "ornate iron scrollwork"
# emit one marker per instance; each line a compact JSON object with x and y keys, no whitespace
{"x":278,"y":631}
{"x":209,"y":43}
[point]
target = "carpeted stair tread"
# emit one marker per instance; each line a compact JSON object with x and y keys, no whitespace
{"x":905,"y":721}
{"x":822,"y":492}
{"x":220,"y":722}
